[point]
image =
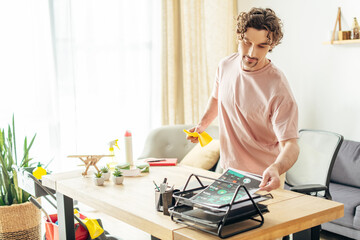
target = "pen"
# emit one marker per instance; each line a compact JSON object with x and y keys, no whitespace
{"x":156,"y":160}
{"x":156,"y":186}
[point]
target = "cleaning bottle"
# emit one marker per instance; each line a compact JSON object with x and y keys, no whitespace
{"x":128,"y":148}
{"x":356,"y":29}
{"x":112,"y":163}
{"x":39,"y":171}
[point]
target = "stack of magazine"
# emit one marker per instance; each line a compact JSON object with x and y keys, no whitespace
{"x":227,"y":200}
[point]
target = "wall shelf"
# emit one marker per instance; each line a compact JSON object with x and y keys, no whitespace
{"x":343,"y":42}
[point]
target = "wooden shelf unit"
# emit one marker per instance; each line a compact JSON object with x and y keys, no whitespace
{"x":343,"y":42}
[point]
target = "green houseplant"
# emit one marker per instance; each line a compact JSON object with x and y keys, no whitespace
{"x":10,"y":193}
{"x":105,"y":172}
{"x":98,"y":178}
{"x":17,"y":215}
{"x":117,"y":177}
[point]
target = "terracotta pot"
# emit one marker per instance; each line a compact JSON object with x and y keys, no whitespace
{"x":118,"y":180}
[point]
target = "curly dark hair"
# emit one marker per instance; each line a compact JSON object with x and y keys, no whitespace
{"x":261,"y":19}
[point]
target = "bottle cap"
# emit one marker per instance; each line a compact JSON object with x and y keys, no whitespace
{"x":127,"y":134}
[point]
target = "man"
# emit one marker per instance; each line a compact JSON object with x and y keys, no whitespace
{"x":257,"y":112}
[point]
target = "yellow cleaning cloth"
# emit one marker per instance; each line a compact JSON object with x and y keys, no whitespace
{"x":92,"y":225}
{"x":204,"y":137}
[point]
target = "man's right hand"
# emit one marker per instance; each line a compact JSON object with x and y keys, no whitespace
{"x":210,"y":114}
{"x":197,"y":129}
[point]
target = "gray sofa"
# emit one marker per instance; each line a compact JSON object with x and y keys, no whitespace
{"x":345,"y":188}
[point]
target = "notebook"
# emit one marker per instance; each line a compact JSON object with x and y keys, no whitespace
{"x":161,"y":161}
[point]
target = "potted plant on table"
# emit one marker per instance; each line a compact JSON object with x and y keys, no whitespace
{"x":105,"y":172}
{"x":117,"y":177}
{"x":99,"y":179}
{"x":19,"y":218}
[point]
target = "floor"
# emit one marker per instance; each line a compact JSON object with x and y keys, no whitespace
{"x":127,"y":232}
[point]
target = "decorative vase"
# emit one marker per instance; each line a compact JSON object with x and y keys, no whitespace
{"x":118,"y":180}
{"x":99,"y":181}
{"x":20,"y":221}
{"x":106,"y":176}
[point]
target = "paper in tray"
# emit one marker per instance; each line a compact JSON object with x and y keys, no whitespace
{"x":187,"y":201}
{"x":212,"y":219}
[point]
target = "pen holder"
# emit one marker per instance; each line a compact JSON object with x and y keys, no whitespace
{"x":163,"y":201}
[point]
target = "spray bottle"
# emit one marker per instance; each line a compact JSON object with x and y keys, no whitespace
{"x":112,"y":163}
{"x":39,"y":171}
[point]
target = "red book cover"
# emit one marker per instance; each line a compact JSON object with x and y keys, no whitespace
{"x":161,"y":161}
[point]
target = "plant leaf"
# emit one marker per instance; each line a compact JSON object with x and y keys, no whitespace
{"x":5,"y":173}
{"x":13,"y":125}
{"x":16,"y":187}
{"x":2,"y":202}
{"x":2,"y":140}
{"x":13,"y":199}
{"x":25,"y":161}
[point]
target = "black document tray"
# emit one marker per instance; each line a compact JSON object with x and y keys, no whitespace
{"x":223,"y":222}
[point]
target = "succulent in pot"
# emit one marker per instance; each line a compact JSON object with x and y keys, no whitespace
{"x":117,"y":177}
{"x":106,"y":173}
{"x":99,"y":179}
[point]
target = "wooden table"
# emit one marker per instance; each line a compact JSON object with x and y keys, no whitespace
{"x":134,"y":203}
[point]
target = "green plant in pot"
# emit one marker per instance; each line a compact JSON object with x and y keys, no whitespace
{"x":17,"y":214}
{"x":117,"y":177}
{"x":105,"y":172}
{"x":98,"y":178}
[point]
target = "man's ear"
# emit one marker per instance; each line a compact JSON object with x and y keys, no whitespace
{"x":271,"y":47}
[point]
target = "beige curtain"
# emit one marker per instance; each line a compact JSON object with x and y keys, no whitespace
{"x":197,"y":34}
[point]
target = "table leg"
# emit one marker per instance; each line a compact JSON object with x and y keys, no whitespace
{"x":65,"y":216}
{"x":308,"y":234}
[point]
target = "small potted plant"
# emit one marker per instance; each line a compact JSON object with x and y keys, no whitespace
{"x":105,"y":172}
{"x":99,"y":179}
{"x":117,"y":177}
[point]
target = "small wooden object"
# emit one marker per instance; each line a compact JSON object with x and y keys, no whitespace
{"x":89,"y":160}
{"x":343,"y":35}
{"x":338,"y":20}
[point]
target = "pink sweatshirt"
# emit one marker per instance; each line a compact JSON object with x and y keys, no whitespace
{"x":256,"y":111}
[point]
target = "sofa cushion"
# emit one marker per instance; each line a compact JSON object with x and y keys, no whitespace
{"x":203,"y":157}
{"x":350,"y":197}
{"x":347,"y":164}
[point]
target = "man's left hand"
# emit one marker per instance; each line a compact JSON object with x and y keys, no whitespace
{"x":271,"y":179}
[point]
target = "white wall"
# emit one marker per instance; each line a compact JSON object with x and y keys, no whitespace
{"x":325,"y":79}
